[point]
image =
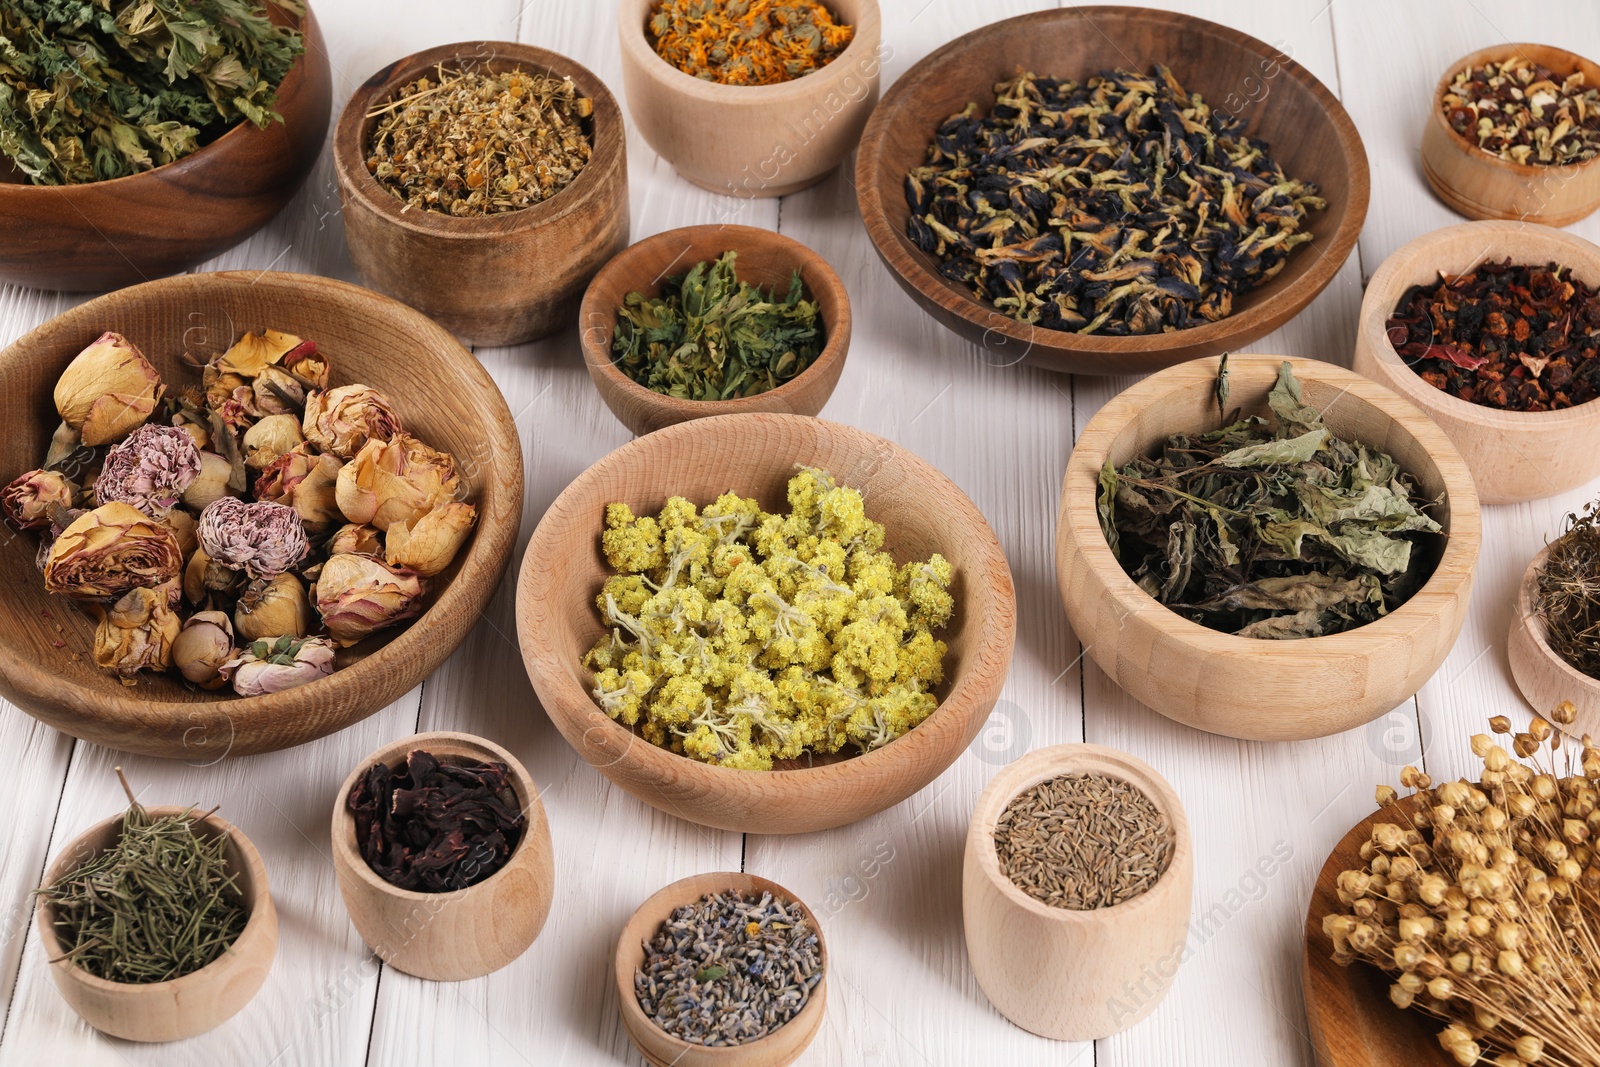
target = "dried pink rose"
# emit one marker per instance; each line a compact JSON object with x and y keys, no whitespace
{"x":29,"y":497}
{"x":357,"y":595}
{"x":202,"y":647}
{"x":136,"y":633}
{"x":344,"y":419}
{"x":107,"y":390}
{"x":149,"y":469}
{"x":396,"y":481}
{"x":273,"y":666}
{"x":110,"y":550}
{"x":263,"y":539}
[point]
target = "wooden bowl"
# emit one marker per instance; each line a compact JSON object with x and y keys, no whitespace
{"x":1544,"y":678}
{"x":1245,"y":687}
{"x":756,"y":455}
{"x":495,"y":279}
{"x":1481,"y":185}
{"x":661,"y":1049}
{"x":765,"y":258}
{"x":1307,"y":128}
{"x":449,"y":937}
{"x":442,"y":394}
{"x":1060,"y":973}
{"x":181,"y":1007}
{"x":1513,"y":455}
{"x":753,"y":140}
{"x":109,"y":234}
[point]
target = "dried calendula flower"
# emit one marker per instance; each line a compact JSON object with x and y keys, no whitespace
{"x":270,"y":438}
{"x":273,"y":608}
{"x":28,"y":498}
{"x":149,"y":469}
{"x":357,"y":595}
{"x":263,"y":667}
{"x":136,"y":633}
{"x":110,"y":550}
{"x":429,"y":544}
{"x":395,"y":481}
{"x":262,"y":539}
{"x":202,"y":647}
{"x":108,"y":389}
{"x":342,"y":420}
{"x":737,"y":42}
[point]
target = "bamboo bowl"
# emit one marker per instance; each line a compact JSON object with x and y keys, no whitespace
{"x":765,"y":259}
{"x":661,"y":1049}
{"x":495,"y":279}
{"x":1481,"y":185}
{"x":1060,"y":973}
{"x":449,"y":937}
{"x":109,"y":234}
{"x":181,"y":1007}
{"x":923,"y":511}
{"x":1245,"y":687}
{"x":1513,"y":455}
{"x":442,"y":394}
{"x":1544,"y":678}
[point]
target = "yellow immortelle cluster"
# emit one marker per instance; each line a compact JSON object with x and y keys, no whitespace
{"x":738,"y":637}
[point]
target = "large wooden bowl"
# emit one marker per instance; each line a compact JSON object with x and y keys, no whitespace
{"x":1279,"y":101}
{"x":1513,"y":455}
{"x":109,"y":234}
{"x":442,"y":395}
{"x":1543,"y":677}
{"x":1247,"y":687}
{"x":756,"y":455}
{"x":766,"y":259}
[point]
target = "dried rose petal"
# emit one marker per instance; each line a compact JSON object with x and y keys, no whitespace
{"x":107,"y":390}
{"x":262,"y":539}
{"x":149,"y":469}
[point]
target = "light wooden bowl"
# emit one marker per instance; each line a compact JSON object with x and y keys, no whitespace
{"x":756,"y":455}
{"x":1060,"y":973}
{"x":1481,"y":185}
{"x":753,"y":140}
{"x":1513,"y":455}
{"x":766,"y":259}
{"x":449,"y":937}
{"x":661,"y":1049}
{"x":495,"y":279}
{"x":1308,"y":130}
{"x":114,"y":233}
{"x":1544,"y":678}
{"x":1246,"y":687}
{"x":442,"y":394}
{"x":181,"y":1007}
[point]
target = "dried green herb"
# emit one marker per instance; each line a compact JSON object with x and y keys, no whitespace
{"x":710,"y":336}
{"x":1263,"y":532}
{"x":98,"y":89}
{"x":1569,"y":592}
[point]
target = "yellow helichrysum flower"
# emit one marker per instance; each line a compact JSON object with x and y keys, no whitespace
{"x":631,"y":545}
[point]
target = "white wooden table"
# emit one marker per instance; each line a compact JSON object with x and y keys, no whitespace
{"x":888,"y":888}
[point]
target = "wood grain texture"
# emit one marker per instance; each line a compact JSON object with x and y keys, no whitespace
{"x":1544,"y":678}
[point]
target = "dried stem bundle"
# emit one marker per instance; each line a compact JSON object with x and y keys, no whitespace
{"x":1569,"y":592}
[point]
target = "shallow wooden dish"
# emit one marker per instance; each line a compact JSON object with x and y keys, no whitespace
{"x":1481,"y":185}
{"x":182,"y":1007}
{"x":1060,"y":973}
{"x":496,"y":279}
{"x":442,"y":394}
{"x":1544,"y":678}
{"x":661,"y":1049}
{"x":114,"y":233}
{"x":1513,"y":455}
{"x":1245,"y":687}
{"x":753,"y":140}
{"x":923,"y":511}
{"x":1308,"y":131}
{"x":765,"y":258}
{"x":449,"y":937}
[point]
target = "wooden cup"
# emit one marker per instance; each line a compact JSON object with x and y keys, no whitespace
{"x":1064,"y":974}
{"x":181,"y":1007}
{"x":449,"y":937}
{"x":1544,"y":678}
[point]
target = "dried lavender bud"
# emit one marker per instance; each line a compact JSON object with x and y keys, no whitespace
{"x":263,"y":539}
{"x":149,"y":469}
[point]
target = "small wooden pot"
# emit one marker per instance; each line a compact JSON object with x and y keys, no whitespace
{"x":1480,"y":184}
{"x":753,"y":140}
{"x":181,"y":1007}
{"x":765,"y":258}
{"x":661,"y":1049}
{"x":449,"y":937}
{"x":494,"y":279}
{"x":1064,"y":974}
{"x":1544,"y":678}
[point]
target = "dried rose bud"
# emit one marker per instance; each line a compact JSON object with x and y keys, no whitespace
{"x":203,"y":645}
{"x":211,"y":484}
{"x":279,"y":478}
{"x":357,"y":595}
{"x":110,"y":550}
{"x":273,"y":666}
{"x":273,"y":608}
{"x":271,"y":438}
{"x":27,"y":500}
{"x":185,"y":530}
{"x":308,"y":365}
{"x":277,"y":392}
{"x":136,"y":633}
{"x":396,"y":481}
{"x":221,"y":386}
{"x":428,"y":545}
{"x":356,"y":539}
{"x":316,"y":497}
{"x":344,"y":419}
{"x":194,"y":576}
{"x":254,"y":353}
{"x":149,"y":469}
{"x":107,"y":390}
{"x":262,"y":539}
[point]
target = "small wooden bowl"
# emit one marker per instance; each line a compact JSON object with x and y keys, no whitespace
{"x":1244,"y":687}
{"x":1513,"y":455}
{"x":442,"y":394}
{"x":449,"y":937}
{"x":494,"y":279}
{"x":753,"y":140}
{"x":181,"y":1007}
{"x":1308,"y":130}
{"x":756,"y":455}
{"x":1060,"y":973}
{"x":109,"y":234}
{"x":1481,"y":185}
{"x":661,"y":1049}
{"x":1544,"y":678}
{"x":765,"y":258}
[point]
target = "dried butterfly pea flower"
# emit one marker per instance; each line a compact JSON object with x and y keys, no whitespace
{"x":149,"y":469}
{"x":110,"y":550}
{"x":263,"y":667}
{"x":108,"y":389}
{"x":262,"y":539}
{"x":27,"y":499}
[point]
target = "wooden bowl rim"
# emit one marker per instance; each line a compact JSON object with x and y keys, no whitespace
{"x":1497,"y":52}
{"x":1089,"y":455}
{"x":909,"y":265}
{"x":1532,"y":625}
{"x":830,"y":294}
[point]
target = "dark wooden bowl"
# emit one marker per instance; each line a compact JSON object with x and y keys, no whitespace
{"x":495,"y":279}
{"x":441,"y":393}
{"x":105,"y":235}
{"x":1279,"y":101}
